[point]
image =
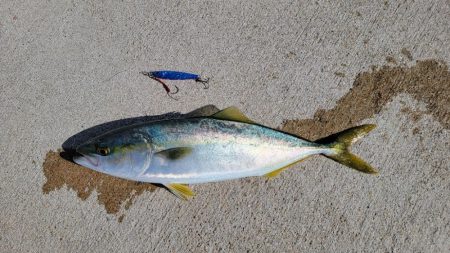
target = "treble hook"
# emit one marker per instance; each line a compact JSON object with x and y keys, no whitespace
{"x":204,"y":81}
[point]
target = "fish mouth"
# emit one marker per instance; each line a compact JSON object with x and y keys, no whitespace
{"x":91,"y":162}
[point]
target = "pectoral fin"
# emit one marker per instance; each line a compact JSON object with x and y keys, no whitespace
{"x":182,"y":191}
{"x":175,"y":153}
{"x":233,"y":114}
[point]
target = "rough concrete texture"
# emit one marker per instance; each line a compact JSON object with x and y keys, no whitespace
{"x":67,"y":66}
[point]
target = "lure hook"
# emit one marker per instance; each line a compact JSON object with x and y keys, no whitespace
{"x":170,"y":96}
{"x":204,"y":81}
{"x":166,"y":87}
{"x":176,"y":87}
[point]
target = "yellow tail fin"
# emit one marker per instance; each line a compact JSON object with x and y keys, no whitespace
{"x":340,"y":144}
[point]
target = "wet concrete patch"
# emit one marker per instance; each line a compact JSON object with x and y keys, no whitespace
{"x":391,"y":59}
{"x":407,"y":53}
{"x":113,"y":193}
{"x":427,"y":81}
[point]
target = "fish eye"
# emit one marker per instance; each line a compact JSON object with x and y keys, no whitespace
{"x":104,"y":151}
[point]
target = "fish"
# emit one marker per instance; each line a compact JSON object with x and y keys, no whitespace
{"x":224,"y":146}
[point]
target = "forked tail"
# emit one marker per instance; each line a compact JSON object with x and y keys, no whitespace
{"x":340,"y":144}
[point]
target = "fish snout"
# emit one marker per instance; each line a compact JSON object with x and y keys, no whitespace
{"x":90,"y":162}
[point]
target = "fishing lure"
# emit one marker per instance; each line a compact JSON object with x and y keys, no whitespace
{"x":226,"y":145}
{"x":174,"y":75}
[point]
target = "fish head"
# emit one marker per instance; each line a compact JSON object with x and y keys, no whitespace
{"x":122,"y":154}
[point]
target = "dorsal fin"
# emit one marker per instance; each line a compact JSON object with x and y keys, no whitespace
{"x":233,"y":114}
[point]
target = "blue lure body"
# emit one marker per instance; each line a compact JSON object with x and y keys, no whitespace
{"x":173,"y":75}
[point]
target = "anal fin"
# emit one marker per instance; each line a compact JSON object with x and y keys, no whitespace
{"x":182,"y":191}
{"x":276,"y":172}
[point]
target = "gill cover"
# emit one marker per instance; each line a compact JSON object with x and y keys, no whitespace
{"x":121,"y":153}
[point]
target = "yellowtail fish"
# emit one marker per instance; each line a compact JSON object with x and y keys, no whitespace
{"x":226,"y":145}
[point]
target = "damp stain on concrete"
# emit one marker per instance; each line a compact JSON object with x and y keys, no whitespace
{"x":391,"y":59}
{"x":407,"y":53}
{"x":113,"y":193}
{"x":427,"y":81}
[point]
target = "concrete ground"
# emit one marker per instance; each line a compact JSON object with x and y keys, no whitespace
{"x":311,"y":68}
